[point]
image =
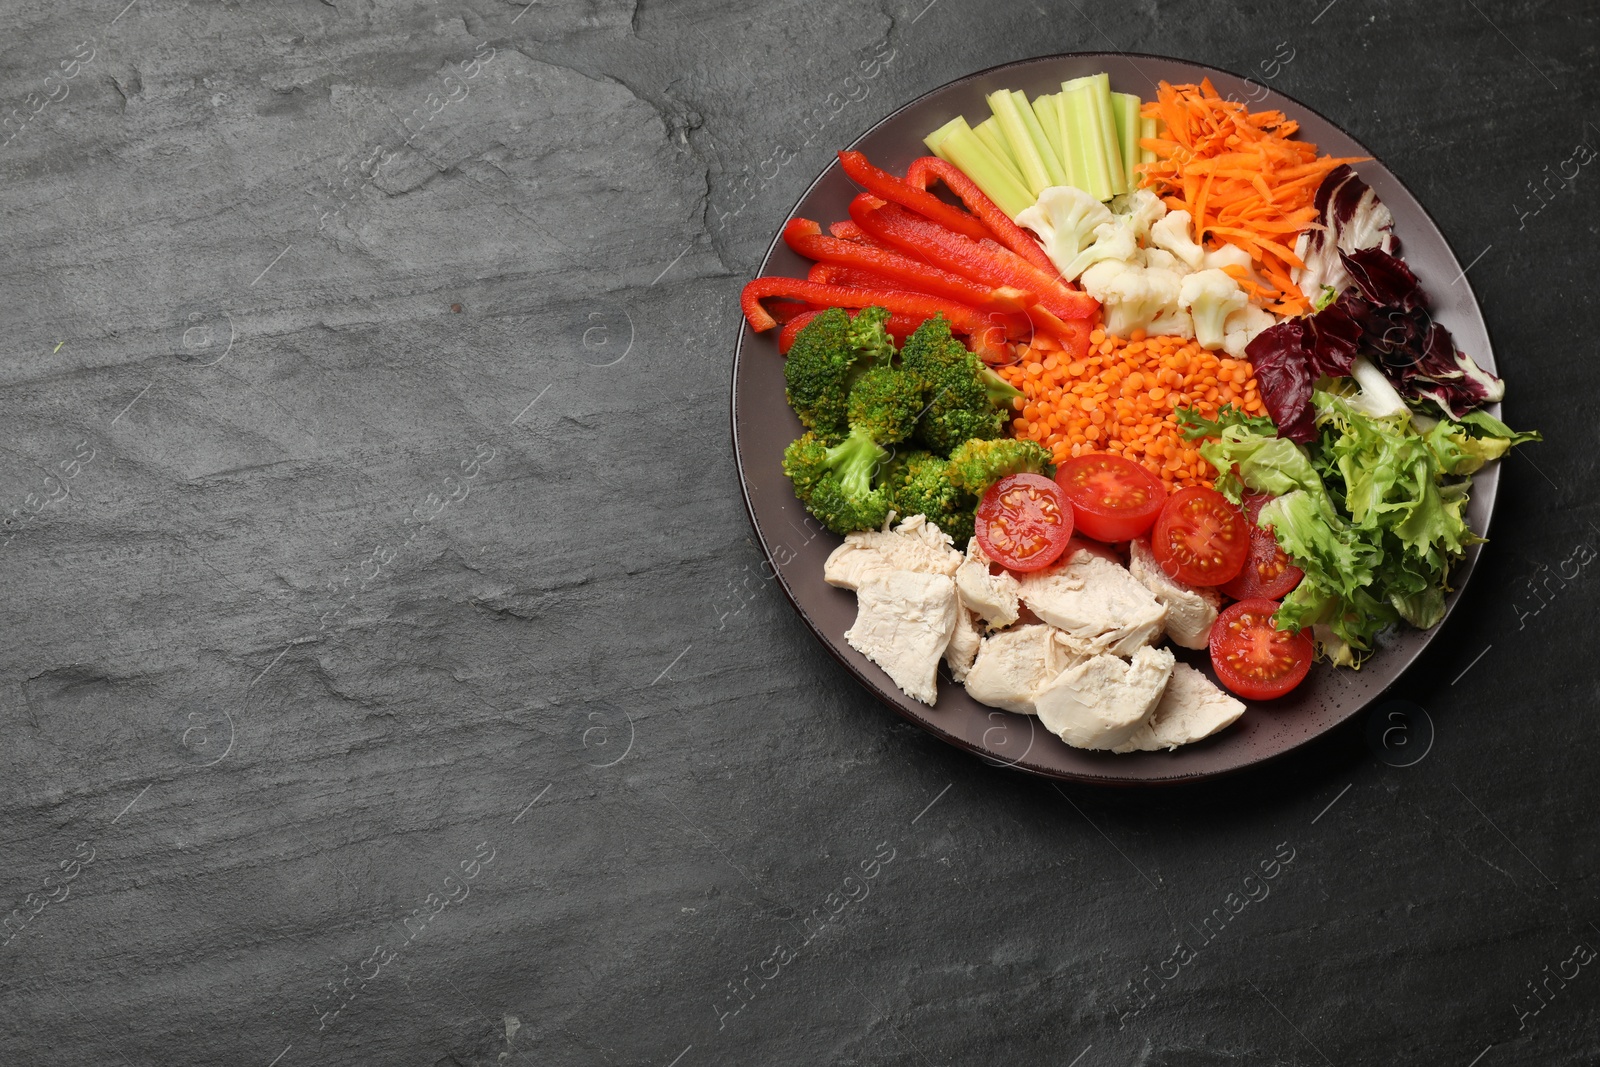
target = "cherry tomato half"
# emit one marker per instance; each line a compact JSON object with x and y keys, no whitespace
{"x":1251,"y":657}
{"x":1268,"y":572}
{"x":1113,"y":498}
{"x":1024,"y":522}
{"x":1200,"y":538}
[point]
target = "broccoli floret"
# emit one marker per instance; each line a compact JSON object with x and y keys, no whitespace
{"x":884,"y":405}
{"x":826,"y":359}
{"x":919,"y":484}
{"x":977,"y":465}
{"x":804,"y":461}
{"x":838,"y":484}
{"x":959,"y":407}
{"x":869,"y":335}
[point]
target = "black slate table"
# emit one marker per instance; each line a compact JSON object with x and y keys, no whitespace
{"x":388,"y":675}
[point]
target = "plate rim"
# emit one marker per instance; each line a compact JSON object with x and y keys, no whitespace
{"x":1485,"y":484}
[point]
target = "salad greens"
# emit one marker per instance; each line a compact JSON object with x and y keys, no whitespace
{"x":1371,"y":510}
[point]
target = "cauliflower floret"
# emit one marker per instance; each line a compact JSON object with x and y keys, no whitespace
{"x":1172,"y":322}
{"x":1171,"y":234}
{"x":1143,"y":209}
{"x":1065,"y":219}
{"x":1226,"y":255}
{"x":1241,"y":327}
{"x":1132,"y":295}
{"x":1211,"y":296}
{"x":1112,"y":240}
{"x":1155,"y":257}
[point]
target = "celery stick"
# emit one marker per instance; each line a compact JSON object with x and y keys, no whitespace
{"x":1127,"y":110}
{"x":933,"y":139}
{"x":1023,"y":150}
{"x":1044,"y":109}
{"x":966,"y":151}
{"x":1041,"y":143}
{"x":1070,"y":162}
{"x":1106,"y":121}
{"x":1084,"y":139}
{"x":1147,"y":129}
{"x":988,"y":132}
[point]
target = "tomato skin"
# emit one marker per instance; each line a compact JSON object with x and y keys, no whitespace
{"x":1252,"y":658}
{"x":1200,"y":538}
{"x":1023,"y":522}
{"x":1267,"y":573}
{"x":1113,"y":498}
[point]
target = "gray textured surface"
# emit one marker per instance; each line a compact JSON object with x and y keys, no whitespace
{"x":314,"y":605}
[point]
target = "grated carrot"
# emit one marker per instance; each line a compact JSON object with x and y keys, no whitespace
{"x":1241,"y":176}
{"x":1123,"y":396}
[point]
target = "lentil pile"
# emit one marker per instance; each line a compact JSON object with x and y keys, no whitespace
{"x":1123,"y":397}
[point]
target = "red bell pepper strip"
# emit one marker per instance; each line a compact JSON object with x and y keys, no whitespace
{"x":1034,"y":326}
{"x":988,"y":331}
{"x":924,"y":171}
{"x":786,"y":335}
{"x":899,"y":326}
{"x":896,"y":270}
{"x":982,"y":261}
{"x":886,"y":186}
{"x":846,"y":230}
{"x":964,"y":319}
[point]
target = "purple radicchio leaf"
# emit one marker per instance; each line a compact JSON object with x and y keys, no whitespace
{"x":1282,"y":358}
{"x":1350,"y":217}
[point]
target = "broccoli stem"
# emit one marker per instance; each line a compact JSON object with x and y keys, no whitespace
{"x":856,"y":458}
{"x":1001,"y":392}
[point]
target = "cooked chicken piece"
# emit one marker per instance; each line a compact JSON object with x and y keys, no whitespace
{"x":1191,"y":708}
{"x":904,"y":620}
{"x":915,"y":545}
{"x":992,"y":596}
{"x":1012,"y":666}
{"x":1190,"y":610}
{"x":1101,"y":702}
{"x":964,"y":644}
{"x":1097,"y":604}
{"x":1077,"y":544}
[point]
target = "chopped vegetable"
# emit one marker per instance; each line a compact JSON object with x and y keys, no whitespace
{"x":837,"y":484}
{"x":1023,"y":522}
{"x":828,"y":356}
{"x":885,"y":186}
{"x":1352,"y":218}
{"x":920,"y":484}
{"x":978,"y":464}
{"x":985,"y":332}
{"x":1113,"y":498}
{"x":897,"y":270}
{"x":1252,"y":657}
{"x":925,"y":169}
{"x":1384,"y":317}
{"x":955,"y":142}
{"x":1241,"y":176}
{"x":1200,"y":538}
{"x":987,"y":262}
{"x":1085,"y":136}
{"x":958,"y":395}
{"x":1375,"y":521}
{"x":1065,"y":218}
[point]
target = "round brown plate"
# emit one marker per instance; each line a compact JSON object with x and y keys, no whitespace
{"x":796,"y":544}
